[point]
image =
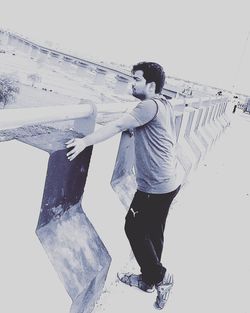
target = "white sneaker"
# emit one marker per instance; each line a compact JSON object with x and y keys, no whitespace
{"x":135,"y":281}
{"x":163,"y":290}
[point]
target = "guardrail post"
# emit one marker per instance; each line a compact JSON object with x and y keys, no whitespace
{"x":19,"y":44}
{"x":221,"y":121}
{"x":212,"y":126}
{"x":208,"y":136}
{"x":27,"y":47}
{"x":69,"y":239}
{"x":214,"y":120}
{"x":54,"y":58}
{"x":181,"y":153}
{"x":123,"y":179}
{"x":67,"y":64}
{"x":197,"y":130}
{"x":225,"y":112}
{"x":100,"y":76}
{"x":188,"y":135}
{"x":9,"y":39}
{"x":43,"y":56}
{"x":82,"y":69}
{"x":217,"y":117}
{"x":35,"y":52}
{"x":121,"y":86}
{"x":2,"y":38}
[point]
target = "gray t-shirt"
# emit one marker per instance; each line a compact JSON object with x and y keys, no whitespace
{"x":155,"y":142}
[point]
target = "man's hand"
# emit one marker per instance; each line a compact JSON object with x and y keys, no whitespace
{"x":78,"y":145}
{"x":104,"y":133}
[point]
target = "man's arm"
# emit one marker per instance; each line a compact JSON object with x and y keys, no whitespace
{"x":102,"y":134}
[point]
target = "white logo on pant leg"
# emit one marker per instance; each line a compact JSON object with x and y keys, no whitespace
{"x":134,"y":212}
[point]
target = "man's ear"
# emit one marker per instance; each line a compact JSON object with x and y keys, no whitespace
{"x":151,"y":86}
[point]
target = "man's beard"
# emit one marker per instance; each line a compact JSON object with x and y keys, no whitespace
{"x":138,"y":95}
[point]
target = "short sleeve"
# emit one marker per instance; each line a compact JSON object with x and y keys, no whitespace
{"x":145,"y":111}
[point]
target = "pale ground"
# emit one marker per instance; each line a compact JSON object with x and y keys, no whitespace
{"x":207,"y":233}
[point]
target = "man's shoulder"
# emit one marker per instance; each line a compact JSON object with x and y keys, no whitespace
{"x":145,"y":111}
{"x":147,"y":104}
{"x":164,"y":101}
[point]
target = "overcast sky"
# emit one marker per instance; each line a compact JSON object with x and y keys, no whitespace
{"x":203,"y":41}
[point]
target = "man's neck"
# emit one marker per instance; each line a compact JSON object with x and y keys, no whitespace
{"x":152,"y":95}
{"x":156,"y":95}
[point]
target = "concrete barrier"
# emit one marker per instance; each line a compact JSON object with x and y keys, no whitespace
{"x":225,"y":116}
{"x":2,"y":38}
{"x":188,"y":136}
{"x":54,"y":58}
{"x":186,"y":155}
{"x":69,"y":239}
{"x":100,"y":76}
{"x":206,"y":126}
{"x":181,"y":153}
{"x":123,"y":178}
{"x":67,"y":64}
{"x":213,"y":130}
{"x":71,"y":242}
{"x":220,"y":117}
{"x":82,"y":68}
{"x":121,"y":86}
{"x":43,"y":56}
{"x":9,"y":39}
{"x":15,"y":42}
{"x":216,"y":118}
{"x":35,"y":52}
{"x":202,"y":129}
{"x":215,"y":126}
{"x":24,"y":47}
{"x":193,"y":139}
{"x":27,"y":48}
{"x":196,"y":130}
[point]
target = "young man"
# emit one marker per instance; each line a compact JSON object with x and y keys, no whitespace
{"x":155,"y":167}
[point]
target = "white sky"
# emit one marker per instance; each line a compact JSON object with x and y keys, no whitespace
{"x":202,"y":41}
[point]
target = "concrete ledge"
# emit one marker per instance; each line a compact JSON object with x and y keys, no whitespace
{"x":12,"y":118}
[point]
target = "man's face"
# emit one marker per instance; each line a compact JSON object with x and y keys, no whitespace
{"x":139,"y":85}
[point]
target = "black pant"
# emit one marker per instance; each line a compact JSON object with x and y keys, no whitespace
{"x":144,"y":227}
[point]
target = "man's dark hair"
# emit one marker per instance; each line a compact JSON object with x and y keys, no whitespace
{"x":152,"y":72}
